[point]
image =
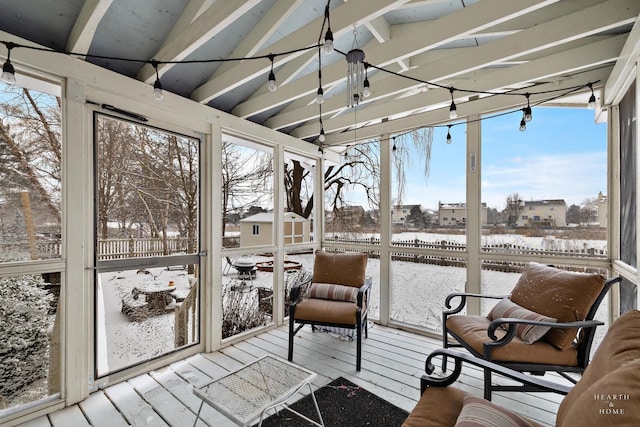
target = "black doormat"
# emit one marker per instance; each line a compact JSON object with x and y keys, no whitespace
{"x":341,"y":403}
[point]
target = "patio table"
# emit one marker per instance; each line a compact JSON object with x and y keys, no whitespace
{"x":247,"y":394}
{"x":156,"y":295}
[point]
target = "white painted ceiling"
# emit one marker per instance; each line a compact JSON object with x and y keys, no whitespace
{"x":481,"y":45}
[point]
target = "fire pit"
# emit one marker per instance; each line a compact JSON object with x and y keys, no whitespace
{"x":246,"y":267}
{"x":288,"y":265}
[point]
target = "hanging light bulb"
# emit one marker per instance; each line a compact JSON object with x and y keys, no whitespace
{"x":157,"y":90}
{"x":449,"y":139}
{"x":328,"y":37}
{"x":322,"y":136}
{"x":157,"y":86}
{"x":272,"y":86}
{"x":320,"y":150}
{"x":320,"y":96}
{"x":528,"y":115}
{"x":8,"y":72}
{"x":523,"y":124}
{"x":328,"y":41}
{"x":453,"y":111}
{"x":366,"y":91}
{"x":592,"y":99}
{"x":394,"y":148}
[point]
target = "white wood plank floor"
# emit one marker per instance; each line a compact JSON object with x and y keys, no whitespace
{"x":393,"y":361}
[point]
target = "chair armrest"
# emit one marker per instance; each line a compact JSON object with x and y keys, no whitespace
{"x":463,"y":300}
{"x":513,"y":324}
{"x":364,"y":290}
{"x":430,"y":380}
{"x":294,"y":294}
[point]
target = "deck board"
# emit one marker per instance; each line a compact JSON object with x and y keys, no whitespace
{"x":100,"y":412}
{"x":392,"y":363}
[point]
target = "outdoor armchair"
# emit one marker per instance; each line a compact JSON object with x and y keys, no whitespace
{"x":605,"y":395}
{"x":338,"y":296}
{"x":545,"y":325}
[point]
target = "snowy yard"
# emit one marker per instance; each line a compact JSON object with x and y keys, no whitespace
{"x":417,"y":296}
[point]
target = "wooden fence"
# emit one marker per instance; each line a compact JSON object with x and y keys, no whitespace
{"x":454,"y":261}
{"x":141,"y":247}
{"x":461,"y":247}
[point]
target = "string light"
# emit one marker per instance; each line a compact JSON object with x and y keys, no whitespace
{"x":320,"y":93}
{"x":157,"y":86}
{"x":453,"y":111}
{"x":357,"y":57}
{"x":8,"y":72}
{"x":346,"y":151}
{"x":528,"y":115}
{"x":272,"y":77}
{"x":449,"y":139}
{"x":394,"y":145}
{"x":321,"y":137}
{"x":366,"y":91}
{"x":523,"y":124}
{"x":592,"y":99}
{"x":328,"y":37}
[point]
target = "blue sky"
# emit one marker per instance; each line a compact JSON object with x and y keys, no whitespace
{"x":561,"y":155}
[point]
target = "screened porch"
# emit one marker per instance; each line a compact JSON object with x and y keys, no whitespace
{"x":168,"y":169}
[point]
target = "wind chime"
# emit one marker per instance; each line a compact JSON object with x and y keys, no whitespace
{"x":357,"y":80}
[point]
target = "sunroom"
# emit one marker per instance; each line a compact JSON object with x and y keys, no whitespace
{"x":169,"y":169}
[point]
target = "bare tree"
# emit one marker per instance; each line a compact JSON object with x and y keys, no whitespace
{"x":359,"y":169}
{"x":513,"y":208}
{"x":411,"y":147}
{"x":114,"y":158}
{"x":247,"y":178}
{"x":30,"y":134}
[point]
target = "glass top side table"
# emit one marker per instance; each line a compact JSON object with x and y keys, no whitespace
{"x":246,"y":395}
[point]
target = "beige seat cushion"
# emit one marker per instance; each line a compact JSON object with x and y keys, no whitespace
{"x":614,"y":371}
{"x":474,"y":331}
{"x":341,"y":268}
{"x":563,"y":295}
{"x":438,"y":406}
{"x":322,"y":310}
{"x":441,"y":406}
